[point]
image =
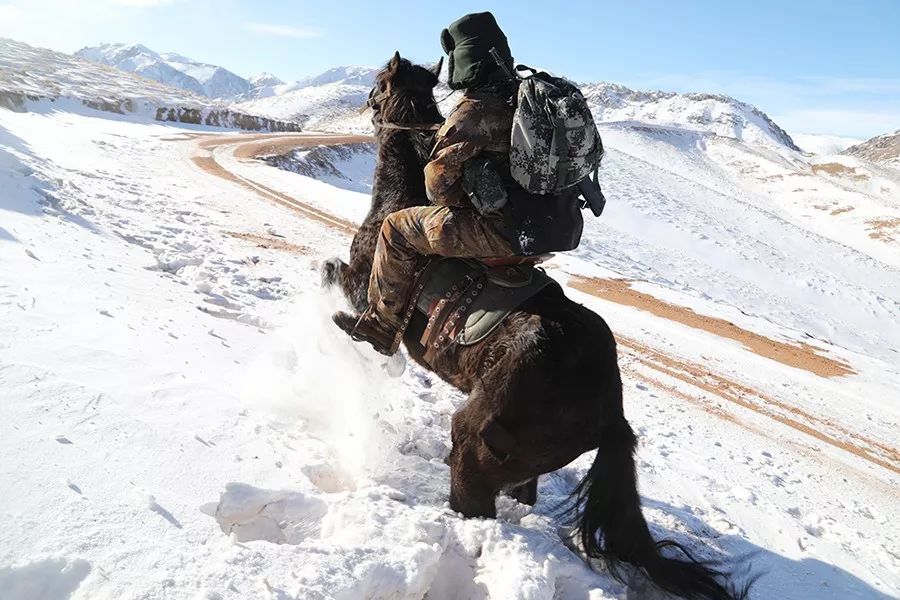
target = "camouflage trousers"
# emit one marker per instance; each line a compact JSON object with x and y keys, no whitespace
{"x":410,"y":234}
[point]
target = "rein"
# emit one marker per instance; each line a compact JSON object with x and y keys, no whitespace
{"x":407,"y":126}
{"x":373,"y":103}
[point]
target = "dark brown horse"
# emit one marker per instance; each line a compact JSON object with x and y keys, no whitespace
{"x":547,"y":380}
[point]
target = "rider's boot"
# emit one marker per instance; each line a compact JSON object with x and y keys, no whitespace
{"x":367,"y":328}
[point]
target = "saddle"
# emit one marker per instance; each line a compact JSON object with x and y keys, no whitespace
{"x":465,"y":301}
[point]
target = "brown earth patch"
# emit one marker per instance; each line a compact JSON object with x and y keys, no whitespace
{"x":798,"y":355}
{"x":842,"y":209}
{"x":839,"y":170}
{"x":283,"y":145}
{"x":822,"y":429}
{"x":269,"y":242}
{"x":883,"y":229}
{"x":183,"y":137}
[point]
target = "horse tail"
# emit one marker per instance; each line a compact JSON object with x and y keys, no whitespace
{"x":609,"y":505}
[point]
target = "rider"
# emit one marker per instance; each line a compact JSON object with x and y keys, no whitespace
{"x":471,"y":152}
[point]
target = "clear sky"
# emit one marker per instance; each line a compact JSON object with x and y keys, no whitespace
{"x":816,"y":67}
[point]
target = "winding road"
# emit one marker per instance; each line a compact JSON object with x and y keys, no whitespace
{"x":693,"y":382}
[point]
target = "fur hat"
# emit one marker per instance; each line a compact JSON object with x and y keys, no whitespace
{"x":468,"y":42}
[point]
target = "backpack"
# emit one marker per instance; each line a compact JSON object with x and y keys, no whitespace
{"x":555,"y":144}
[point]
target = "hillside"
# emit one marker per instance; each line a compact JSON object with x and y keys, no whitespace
{"x":823,"y":144}
{"x":883,"y":149}
{"x":191,"y":390}
{"x":32,"y":77}
{"x":170,"y":69}
{"x":712,"y":113}
{"x":181,"y":419}
{"x":331,"y":101}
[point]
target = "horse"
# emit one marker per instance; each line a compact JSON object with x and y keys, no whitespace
{"x":547,"y":379}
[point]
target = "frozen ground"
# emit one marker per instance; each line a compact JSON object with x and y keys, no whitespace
{"x":181,"y":421}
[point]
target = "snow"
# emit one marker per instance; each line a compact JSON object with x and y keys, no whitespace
{"x":883,"y":149}
{"x":823,"y":144}
{"x":181,"y":420}
{"x":347,"y":167}
{"x":43,"y":73}
{"x":328,"y":107}
{"x":170,"y":69}
{"x":347,"y":75}
{"x":710,"y":113}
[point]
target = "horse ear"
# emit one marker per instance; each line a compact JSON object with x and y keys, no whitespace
{"x":436,"y":69}
{"x":395,"y":61}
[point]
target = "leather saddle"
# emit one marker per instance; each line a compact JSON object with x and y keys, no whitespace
{"x":465,"y":301}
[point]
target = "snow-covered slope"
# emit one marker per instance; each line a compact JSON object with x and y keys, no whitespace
{"x":331,"y":100}
{"x":884,"y":149}
{"x":181,"y":420}
{"x":169,"y":68}
{"x":38,"y":79}
{"x":262,"y":86}
{"x":327,"y":102}
{"x":815,"y":143}
{"x":710,"y":113}
{"x":347,"y":75}
{"x":327,"y":107}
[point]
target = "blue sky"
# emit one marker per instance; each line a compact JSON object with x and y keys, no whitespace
{"x":815,"y":67}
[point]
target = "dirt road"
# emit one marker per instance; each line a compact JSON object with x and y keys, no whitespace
{"x":668,"y":367}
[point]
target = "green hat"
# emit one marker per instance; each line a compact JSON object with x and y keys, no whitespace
{"x":468,"y":43}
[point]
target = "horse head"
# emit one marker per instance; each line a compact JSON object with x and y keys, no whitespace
{"x":404,"y":93}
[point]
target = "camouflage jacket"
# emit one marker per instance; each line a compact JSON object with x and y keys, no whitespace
{"x":481,"y":125}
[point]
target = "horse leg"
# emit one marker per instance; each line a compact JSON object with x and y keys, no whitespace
{"x":526,"y":493}
{"x":473,"y":469}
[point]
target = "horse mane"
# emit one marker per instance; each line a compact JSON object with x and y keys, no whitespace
{"x":408,"y":91}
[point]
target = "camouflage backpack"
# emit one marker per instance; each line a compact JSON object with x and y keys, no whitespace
{"x":555,"y":144}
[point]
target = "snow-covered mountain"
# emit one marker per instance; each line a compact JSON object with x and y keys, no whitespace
{"x":346,"y":75}
{"x":169,"y":68}
{"x":817,"y":143}
{"x":331,"y":102}
{"x":169,"y":372}
{"x":883,"y":149}
{"x":713,"y":113}
{"x":30,"y":76}
{"x":326,"y":107}
{"x":167,"y":361}
{"x":263,"y":85}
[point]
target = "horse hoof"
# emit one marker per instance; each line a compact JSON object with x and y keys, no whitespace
{"x":330,"y":271}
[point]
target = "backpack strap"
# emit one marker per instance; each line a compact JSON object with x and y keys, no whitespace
{"x":561,"y":141}
{"x":504,"y":66}
{"x":591,"y":192}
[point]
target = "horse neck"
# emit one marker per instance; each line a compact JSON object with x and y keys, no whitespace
{"x":399,"y":183}
{"x":399,"y":173}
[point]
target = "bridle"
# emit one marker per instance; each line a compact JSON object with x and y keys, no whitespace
{"x":374,"y":102}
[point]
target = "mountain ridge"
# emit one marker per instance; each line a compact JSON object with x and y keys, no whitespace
{"x":883,"y":149}
{"x":31,"y":78}
{"x":169,"y":68}
{"x":330,"y":99}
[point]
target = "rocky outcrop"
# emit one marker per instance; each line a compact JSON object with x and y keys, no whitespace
{"x":224,"y":118}
{"x":348,"y":166}
{"x":884,"y":149}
